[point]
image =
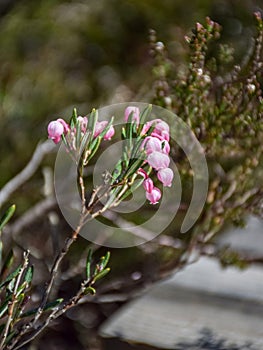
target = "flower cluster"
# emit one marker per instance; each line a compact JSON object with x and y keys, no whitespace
{"x":157,"y":148}
{"x":59,"y":127}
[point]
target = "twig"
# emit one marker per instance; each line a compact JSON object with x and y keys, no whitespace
{"x":27,"y":172}
{"x":14,"y":300}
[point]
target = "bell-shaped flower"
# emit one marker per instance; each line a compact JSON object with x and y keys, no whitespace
{"x":152,"y":144}
{"x":165,"y":147}
{"x":165,"y":176}
{"x":158,"y":160}
{"x":65,"y":125}
{"x":148,"y":185}
{"x":100,"y":126}
{"x":135,"y":114}
{"x":109,"y":133}
{"x":154,"y":196}
{"x":55,"y":130}
{"x":83,"y":123}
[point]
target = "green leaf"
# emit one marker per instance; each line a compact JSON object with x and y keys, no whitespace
{"x":135,"y":164}
{"x":144,"y":116}
{"x":132,"y":189}
{"x":11,"y":276}
{"x":104,"y":132}
{"x":4,"y":306}
{"x":101,"y":274}
{"x":90,"y":290}
{"x":29,"y":274}
{"x":7,"y":216}
{"x":8,"y":262}
{"x":93,"y":148}
{"x":88,"y":264}
{"x":104,"y":260}
{"x":92,"y":120}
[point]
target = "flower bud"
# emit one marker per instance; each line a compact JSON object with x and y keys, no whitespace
{"x":135,"y":114}
{"x":165,"y":176}
{"x":55,"y":130}
{"x":148,"y":185}
{"x":158,"y":160}
{"x":154,"y":195}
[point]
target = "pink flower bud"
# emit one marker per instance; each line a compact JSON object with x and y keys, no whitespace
{"x":154,"y":195}
{"x":142,"y":172}
{"x":147,"y":125}
{"x":83,"y":123}
{"x":55,"y":130}
{"x":158,"y":160}
{"x":148,"y":185}
{"x":165,"y":147}
{"x":166,"y":176}
{"x":135,"y":114}
{"x":100,"y":126}
{"x":109,"y":133}
{"x":152,"y":144}
{"x":161,"y":130}
{"x":65,"y":125}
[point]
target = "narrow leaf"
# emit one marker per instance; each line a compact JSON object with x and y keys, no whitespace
{"x":88,"y":264}
{"x":11,"y":276}
{"x":104,"y":260}
{"x":7,"y":216}
{"x":144,"y":117}
{"x":101,"y":274}
{"x":90,"y":290}
{"x":29,"y":274}
{"x":8,"y":262}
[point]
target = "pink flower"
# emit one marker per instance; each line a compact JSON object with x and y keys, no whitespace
{"x":55,"y":130}
{"x":152,"y":144}
{"x":142,"y":172}
{"x":65,"y":125}
{"x":161,"y":130}
{"x":135,"y":114}
{"x":154,"y":195}
{"x":100,"y":126}
{"x":148,"y":185}
{"x":147,"y":125}
{"x":109,"y":133}
{"x":158,"y":160}
{"x":166,"y":176}
{"x":83,"y":123}
{"x":165,"y":147}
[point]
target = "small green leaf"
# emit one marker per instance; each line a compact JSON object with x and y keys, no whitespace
{"x":104,"y":132}
{"x":101,"y":274}
{"x":132,"y":189}
{"x":11,"y":276}
{"x":29,"y":274}
{"x":92,"y":120}
{"x":8,"y":262}
{"x":4,"y":306}
{"x":88,"y":264}
{"x":104,"y":260}
{"x":7,"y":216}
{"x":90,"y":290}
{"x":134,"y":165}
{"x":144,"y":116}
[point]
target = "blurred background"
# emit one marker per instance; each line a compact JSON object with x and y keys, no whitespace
{"x":56,"y":55}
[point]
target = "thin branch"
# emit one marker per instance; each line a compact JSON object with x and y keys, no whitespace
{"x":14,"y":300}
{"x":41,"y":150}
